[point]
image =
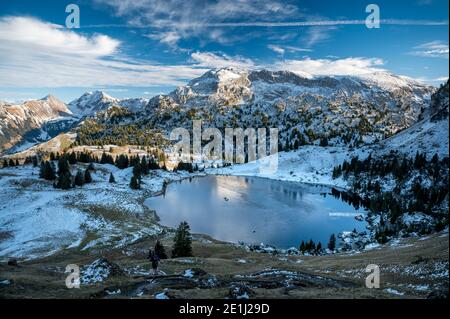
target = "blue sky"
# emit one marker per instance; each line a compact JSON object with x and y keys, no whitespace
{"x":142,"y":48}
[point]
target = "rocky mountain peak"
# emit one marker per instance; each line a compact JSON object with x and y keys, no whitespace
{"x":91,"y":102}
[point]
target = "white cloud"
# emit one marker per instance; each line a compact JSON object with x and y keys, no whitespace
{"x":348,"y":66}
{"x":170,"y":38}
{"x":433,"y":49}
{"x":191,"y":18}
{"x":433,"y":81}
{"x":50,"y":37}
{"x":296,"y":49}
{"x":282,"y":49}
{"x":276,"y":49}
{"x":34,"y":53}
{"x":317,"y":34}
{"x":212,"y":60}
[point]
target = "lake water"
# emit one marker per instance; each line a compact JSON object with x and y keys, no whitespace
{"x":255,"y":210}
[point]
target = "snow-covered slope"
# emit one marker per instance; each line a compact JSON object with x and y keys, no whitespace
{"x":32,"y":122}
{"x":429,"y":136}
{"x":38,"y":220}
{"x":310,"y":164}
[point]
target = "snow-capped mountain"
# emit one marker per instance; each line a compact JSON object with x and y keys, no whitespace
{"x":22,"y":125}
{"x":232,"y":86}
{"x":307,"y":109}
{"x":92,"y":102}
{"x":372,"y":106}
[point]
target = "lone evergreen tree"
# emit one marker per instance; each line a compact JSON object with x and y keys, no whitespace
{"x":160,"y":251}
{"x":302,"y":247}
{"x":182,"y":241}
{"x":87,"y":176}
{"x":332,"y":243}
{"x":137,"y":170}
{"x":79,"y":178}
{"x":111,"y":178}
{"x":34,"y":161}
{"x":134,"y":183}
{"x":144,"y":166}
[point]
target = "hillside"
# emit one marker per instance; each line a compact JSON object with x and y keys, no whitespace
{"x":32,"y":122}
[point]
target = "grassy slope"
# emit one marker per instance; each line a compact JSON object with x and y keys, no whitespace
{"x":402,"y":267}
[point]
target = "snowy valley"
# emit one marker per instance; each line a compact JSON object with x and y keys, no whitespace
{"x":323,"y":122}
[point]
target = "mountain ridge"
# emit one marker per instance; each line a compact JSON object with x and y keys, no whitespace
{"x":329,"y":105}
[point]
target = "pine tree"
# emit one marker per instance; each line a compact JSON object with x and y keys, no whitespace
{"x":72,"y":158}
{"x":160,"y":251}
{"x":332,"y":243}
{"x":111,"y":178}
{"x":302,"y":247}
{"x":34,"y":161}
{"x":41,"y":170}
{"x":64,"y":181}
{"x":87,"y":176}
{"x":137,"y":171}
{"x":319,"y":247}
{"x":286,"y":145}
{"x":63,"y":166}
{"x":46,"y":171}
{"x":153,"y":164}
{"x":311,"y":245}
{"x":324,"y":141}
{"x":134,"y":183}
{"x":5,"y":163}
{"x":296,"y":144}
{"x":182,"y":241}
{"x":106,"y":159}
{"x":337,"y":172}
{"x":79,"y":178}
{"x":122,"y":161}
{"x":144,"y":166}
{"x":11,"y":162}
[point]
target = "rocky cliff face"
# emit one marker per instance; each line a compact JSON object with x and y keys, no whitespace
{"x":27,"y":123}
{"x":439,"y":107}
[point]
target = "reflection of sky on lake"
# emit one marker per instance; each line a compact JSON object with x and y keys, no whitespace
{"x":255,"y":210}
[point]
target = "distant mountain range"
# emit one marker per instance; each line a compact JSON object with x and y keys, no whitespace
{"x":343,"y":109}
